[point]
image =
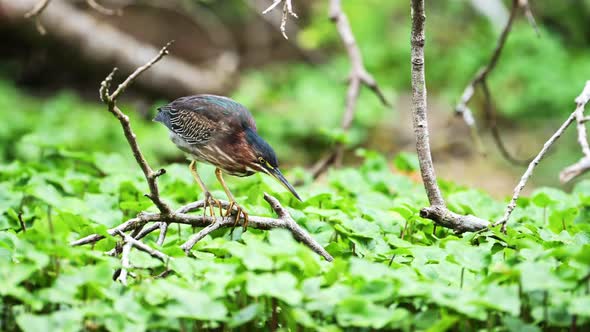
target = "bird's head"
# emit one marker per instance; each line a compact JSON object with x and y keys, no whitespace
{"x":265,"y":159}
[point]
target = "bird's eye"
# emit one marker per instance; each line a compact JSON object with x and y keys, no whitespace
{"x":261,"y":160}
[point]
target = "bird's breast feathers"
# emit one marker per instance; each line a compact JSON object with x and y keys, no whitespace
{"x":214,"y":155}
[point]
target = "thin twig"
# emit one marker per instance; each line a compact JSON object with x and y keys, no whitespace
{"x":190,"y":243}
{"x":480,"y":79}
{"x":131,"y":78}
{"x":582,"y":132}
{"x":144,"y":247}
{"x":287,"y":10}
{"x":125,"y":264}
{"x":583,"y":165}
{"x":35,"y":12}
{"x":284,"y":221}
{"x":23,"y":227}
{"x":357,"y":77}
{"x":581,"y":101}
{"x":490,"y":113}
{"x":128,"y":225}
{"x":37,"y":9}
{"x":103,"y":10}
{"x":163,"y":231}
{"x":529,"y":15}
{"x":110,"y":100}
{"x":573,"y":171}
{"x":147,"y":230}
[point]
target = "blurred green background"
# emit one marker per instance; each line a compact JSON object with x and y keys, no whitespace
{"x":296,"y":88}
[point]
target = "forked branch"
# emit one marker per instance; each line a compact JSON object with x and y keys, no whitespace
{"x":287,"y":10}
{"x":110,"y":100}
{"x":437,"y":211}
{"x":40,"y":6}
{"x":583,"y":165}
{"x":581,"y":101}
{"x":480,"y":80}
{"x":182,"y":216}
{"x":358,"y":77}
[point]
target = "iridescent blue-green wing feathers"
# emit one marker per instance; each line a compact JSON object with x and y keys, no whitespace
{"x":198,"y":119}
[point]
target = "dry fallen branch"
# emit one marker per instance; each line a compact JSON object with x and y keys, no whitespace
{"x":357,"y":77}
{"x":287,"y":10}
{"x":583,"y":165}
{"x":40,"y":6}
{"x":438,"y":211}
{"x":102,"y":43}
{"x":166,"y":215}
{"x":581,"y":101}
{"x":480,"y":79}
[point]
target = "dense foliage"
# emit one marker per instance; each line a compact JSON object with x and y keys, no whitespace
{"x":392,"y":269}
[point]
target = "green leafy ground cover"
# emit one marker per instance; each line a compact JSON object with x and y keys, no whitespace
{"x":535,"y":277}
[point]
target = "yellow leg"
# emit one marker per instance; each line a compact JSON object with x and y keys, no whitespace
{"x":232,"y":202}
{"x":209,"y":200}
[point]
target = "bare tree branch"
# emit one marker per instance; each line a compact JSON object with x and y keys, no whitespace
{"x":583,"y":165}
{"x":529,"y":15}
{"x":573,"y":171}
{"x":458,"y":223}
{"x":284,"y":221}
{"x":125,"y":264}
{"x":110,"y":100}
{"x":103,"y":10}
{"x":144,"y":247}
{"x":581,"y":101}
{"x":211,"y":224}
{"x":438,"y":211}
{"x":37,"y":9}
{"x":163,"y":230}
{"x":357,"y":77}
{"x":490,"y":114}
{"x":481,"y":79}
{"x":287,"y":10}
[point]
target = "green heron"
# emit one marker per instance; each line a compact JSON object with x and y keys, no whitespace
{"x":221,"y":132}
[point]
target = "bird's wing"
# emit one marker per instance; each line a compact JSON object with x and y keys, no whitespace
{"x":197,"y":119}
{"x":191,"y":126}
{"x":219,"y":108}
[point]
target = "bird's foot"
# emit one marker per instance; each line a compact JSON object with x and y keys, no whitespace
{"x":210,"y":203}
{"x":240,"y":214}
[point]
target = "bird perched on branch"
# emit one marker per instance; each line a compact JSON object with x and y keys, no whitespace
{"x":221,"y":132}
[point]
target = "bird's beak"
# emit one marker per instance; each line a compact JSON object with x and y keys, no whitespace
{"x":276,"y":173}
